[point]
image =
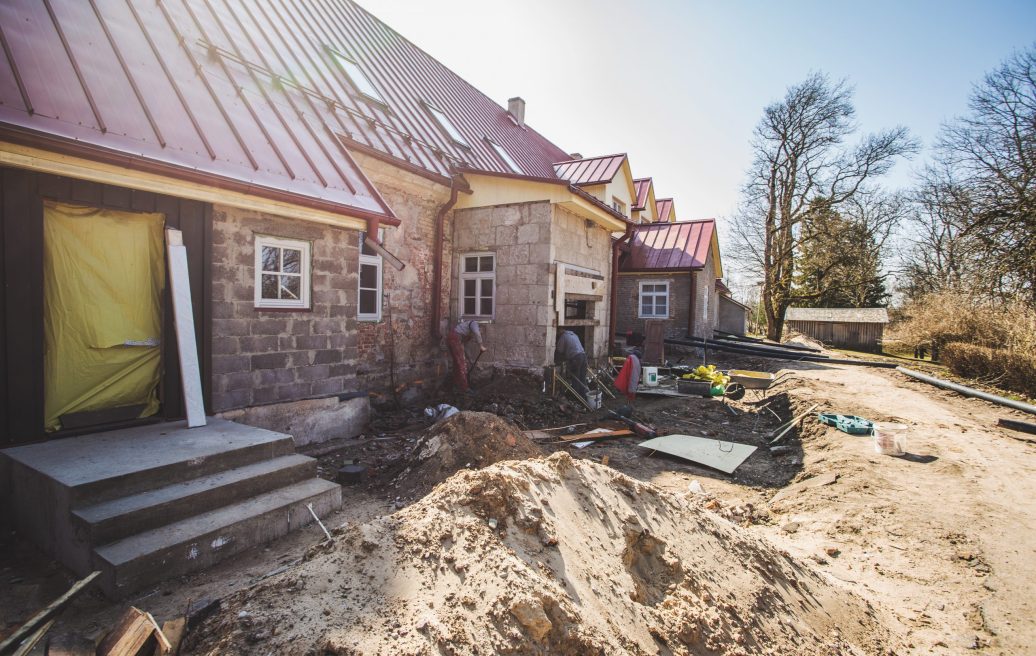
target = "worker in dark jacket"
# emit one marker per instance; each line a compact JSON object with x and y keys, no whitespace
{"x":465,"y":331}
{"x":569,"y":351}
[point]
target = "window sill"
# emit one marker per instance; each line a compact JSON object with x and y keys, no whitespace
{"x":369,"y":319}
{"x":263,"y":308}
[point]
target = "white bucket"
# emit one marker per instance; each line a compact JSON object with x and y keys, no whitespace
{"x":890,"y":439}
{"x":593,"y":399}
{"x":651,"y":376}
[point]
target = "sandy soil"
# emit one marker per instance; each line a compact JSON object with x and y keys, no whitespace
{"x":940,"y":542}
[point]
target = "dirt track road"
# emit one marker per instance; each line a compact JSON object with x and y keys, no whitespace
{"x":944,"y":538}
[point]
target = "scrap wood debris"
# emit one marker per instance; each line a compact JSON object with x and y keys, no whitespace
{"x":547,"y":556}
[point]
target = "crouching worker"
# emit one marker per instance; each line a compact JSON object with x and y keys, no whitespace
{"x":465,"y":331}
{"x":569,"y":351}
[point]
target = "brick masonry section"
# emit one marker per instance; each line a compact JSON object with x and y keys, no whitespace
{"x":706,"y":302}
{"x":263,"y":356}
{"x":400,"y":348}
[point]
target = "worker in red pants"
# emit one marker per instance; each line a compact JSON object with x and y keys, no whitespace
{"x":465,"y":331}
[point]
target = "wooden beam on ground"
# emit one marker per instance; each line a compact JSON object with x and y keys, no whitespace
{"x":45,"y":615}
{"x":582,"y":437}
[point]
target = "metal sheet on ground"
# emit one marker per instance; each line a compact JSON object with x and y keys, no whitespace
{"x":724,"y":456}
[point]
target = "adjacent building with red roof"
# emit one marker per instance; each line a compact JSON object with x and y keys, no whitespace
{"x":672,"y":273}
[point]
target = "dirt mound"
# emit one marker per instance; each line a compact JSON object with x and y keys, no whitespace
{"x":546,"y":556}
{"x":467,"y":440}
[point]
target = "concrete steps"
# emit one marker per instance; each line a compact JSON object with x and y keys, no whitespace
{"x":203,"y":540}
{"x":151,"y":502}
{"x":111,"y":520}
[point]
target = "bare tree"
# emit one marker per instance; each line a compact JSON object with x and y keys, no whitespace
{"x":940,"y":255}
{"x":992,"y":153}
{"x":802,"y":162}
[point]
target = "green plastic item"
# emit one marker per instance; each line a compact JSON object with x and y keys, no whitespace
{"x":850,"y":424}
{"x":717,"y":390}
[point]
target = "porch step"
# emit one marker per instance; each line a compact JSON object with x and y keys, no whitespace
{"x":105,"y":466}
{"x":198,"y":542}
{"x":115,"y":519}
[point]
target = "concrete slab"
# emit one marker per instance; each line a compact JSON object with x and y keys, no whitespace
{"x":84,"y":460}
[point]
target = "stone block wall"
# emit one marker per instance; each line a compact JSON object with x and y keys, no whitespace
{"x":520,"y":236}
{"x":576,"y":241}
{"x":627,"y":316}
{"x":400,"y":347}
{"x":265,"y":356}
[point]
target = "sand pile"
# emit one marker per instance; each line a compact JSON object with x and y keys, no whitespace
{"x":467,"y":440}
{"x":546,"y":556}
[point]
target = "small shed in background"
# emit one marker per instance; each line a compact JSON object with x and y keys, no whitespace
{"x":860,"y":329}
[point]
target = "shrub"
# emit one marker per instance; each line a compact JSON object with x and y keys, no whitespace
{"x":1012,"y":370}
{"x":946,"y":317}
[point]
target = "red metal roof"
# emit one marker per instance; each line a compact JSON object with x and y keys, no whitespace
{"x":669,"y":246}
{"x":590,"y":170}
{"x":642,"y":186}
{"x":664,"y":207}
{"x":184,"y":88}
{"x":248,"y":92}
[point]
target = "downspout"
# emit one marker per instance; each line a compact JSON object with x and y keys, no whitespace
{"x":440,"y":238}
{"x":691,"y":305}
{"x":616,"y":247}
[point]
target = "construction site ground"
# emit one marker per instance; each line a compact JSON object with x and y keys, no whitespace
{"x":940,"y":541}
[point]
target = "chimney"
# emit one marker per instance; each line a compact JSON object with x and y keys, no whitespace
{"x":516,"y":108}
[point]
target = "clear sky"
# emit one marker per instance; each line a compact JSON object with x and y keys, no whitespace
{"x":680,"y":85}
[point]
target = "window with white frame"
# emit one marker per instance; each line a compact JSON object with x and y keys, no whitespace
{"x":369,"y":307}
{"x":282,"y":268}
{"x":477,"y":285}
{"x":618,"y":206}
{"x":654,"y":299}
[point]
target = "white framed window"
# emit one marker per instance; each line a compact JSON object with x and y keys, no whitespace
{"x":654,"y":299}
{"x":504,"y":155}
{"x":369,"y":304}
{"x":282,"y":270}
{"x":356,"y":75}
{"x":448,"y":127}
{"x":618,"y":206}
{"x":478,"y":285}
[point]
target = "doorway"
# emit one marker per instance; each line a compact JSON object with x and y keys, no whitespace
{"x":103,"y":287}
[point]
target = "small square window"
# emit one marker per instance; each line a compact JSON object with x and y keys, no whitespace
{"x":654,"y":300}
{"x":282,"y":273}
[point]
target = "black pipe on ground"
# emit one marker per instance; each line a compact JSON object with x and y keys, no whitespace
{"x":968,"y":391}
{"x":781,"y":355}
{"x":758,"y":348}
{"x":762,"y":342}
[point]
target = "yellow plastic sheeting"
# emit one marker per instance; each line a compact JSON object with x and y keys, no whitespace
{"x":103,"y":278}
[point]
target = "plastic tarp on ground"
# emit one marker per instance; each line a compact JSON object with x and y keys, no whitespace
{"x":103,"y":280}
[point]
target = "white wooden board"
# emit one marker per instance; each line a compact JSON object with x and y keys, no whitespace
{"x":724,"y":456}
{"x":183,"y":316}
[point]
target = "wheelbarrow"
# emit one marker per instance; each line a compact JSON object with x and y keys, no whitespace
{"x":761,"y":383}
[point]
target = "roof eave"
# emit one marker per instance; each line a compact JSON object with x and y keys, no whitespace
{"x":46,"y":153}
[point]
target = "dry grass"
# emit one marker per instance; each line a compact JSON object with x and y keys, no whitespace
{"x":949,"y":317}
{"x":992,"y":342}
{"x":1010,"y":370}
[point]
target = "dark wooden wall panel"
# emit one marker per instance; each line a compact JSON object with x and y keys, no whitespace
{"x":21,"y":289}
{"x":23,"y":277}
